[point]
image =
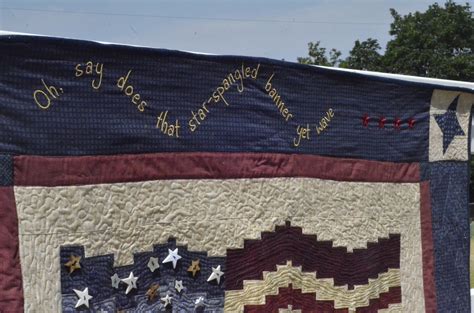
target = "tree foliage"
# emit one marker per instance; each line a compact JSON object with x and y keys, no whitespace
{"x":364,"y":56}
{"x":436,"y":43}
{"x":317,"y":55}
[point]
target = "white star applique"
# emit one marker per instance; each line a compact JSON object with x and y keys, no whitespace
{"x":153,"y":264}
{"x":178,"y":284}
{"x":199,"y":302}
{"x":172,"y":257}
{"x":131,"y":281}
{"x":216,"y":274}
{"x":115,"y":281}
{"x":83,"y":297}
{"x":167,"y":300}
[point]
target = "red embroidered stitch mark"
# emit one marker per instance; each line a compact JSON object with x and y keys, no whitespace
{"x":365,"y":120}
{"x":397,"y":123}
{"x":382,"y":121}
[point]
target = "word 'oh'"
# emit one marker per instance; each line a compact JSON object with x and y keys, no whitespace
{"x":44,"y":96}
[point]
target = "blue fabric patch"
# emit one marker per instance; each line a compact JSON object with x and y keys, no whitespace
{"x":450,"y":215}
{"x":84,"y":121}
{"x":96,"y":273}
{"x":6,"y":170}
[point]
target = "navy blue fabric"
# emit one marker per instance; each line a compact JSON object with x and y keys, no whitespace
{"x":84,"y":121}
{"x":6,"y":170}
{"x":449,"y":124}
{"x":96,"y":273}
{"x":450,"y":216}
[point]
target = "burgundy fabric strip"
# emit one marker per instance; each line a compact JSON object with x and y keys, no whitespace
{"x":64,"y":171}
{"x":11,"y":291}
{"x":427,"y":248}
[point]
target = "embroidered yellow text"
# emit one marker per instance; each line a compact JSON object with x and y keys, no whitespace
{"x":302,"y":133}
{"x":236,"y":78}
{"x":324,"y":122}
{"x":273,"y":93}
{"x":44,"y":96}
{"x":127,"y":89}
{"x":169,"y":129}
{"x":89,"y":68}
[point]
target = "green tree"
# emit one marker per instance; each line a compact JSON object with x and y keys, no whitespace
{"x":364,"y":56}
{"x":317,"y":55}
{"x":437,"y":43}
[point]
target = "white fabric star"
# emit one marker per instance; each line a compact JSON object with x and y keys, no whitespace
{"x":216,"y":274}
{"x":115,"y":281}
{"x":131,"y":281}
{"x":199,"y":302}
{"x":172,"y":257}
{"x":167,"y":300}
{"x":178,"y":284}
{"x":83,"y":297}
{"x":153,"y":264}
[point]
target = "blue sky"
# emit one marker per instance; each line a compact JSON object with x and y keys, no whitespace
{"x":276,"y":29}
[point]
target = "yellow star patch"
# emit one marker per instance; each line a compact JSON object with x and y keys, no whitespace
{"x":74,"y":263}
{"x":194,"y":267}
{"x":152,"y":292}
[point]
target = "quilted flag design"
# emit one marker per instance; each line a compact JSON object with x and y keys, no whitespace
{"x":147,"y":180}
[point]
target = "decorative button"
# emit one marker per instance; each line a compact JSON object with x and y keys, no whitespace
{"x":153,"y":264}
{"x":74,"y":263}
{"x":172,"y":257}
{"x":216,"y":274}
{"x":83,"y":296}
{"x":152,"y":292}
{"x":199,"y":302}
{"x":115,"y":281}
{"x":166,"y":300}
{"x":131,"y":281}
{"x":194,"y":267}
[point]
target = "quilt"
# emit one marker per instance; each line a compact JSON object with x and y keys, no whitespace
{"x":148,"y":180}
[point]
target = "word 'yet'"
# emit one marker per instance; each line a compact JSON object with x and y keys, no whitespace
{"x":165,"y":127}
{"x":302,"y":133}
{"x":128,"y":91}
{"x":90,"y":69}
{"x":44,"y":97}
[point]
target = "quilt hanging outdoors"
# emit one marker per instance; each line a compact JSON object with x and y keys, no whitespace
{"x":147,"y":180}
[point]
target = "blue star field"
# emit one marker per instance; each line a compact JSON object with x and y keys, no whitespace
{"x":96,"y":272}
